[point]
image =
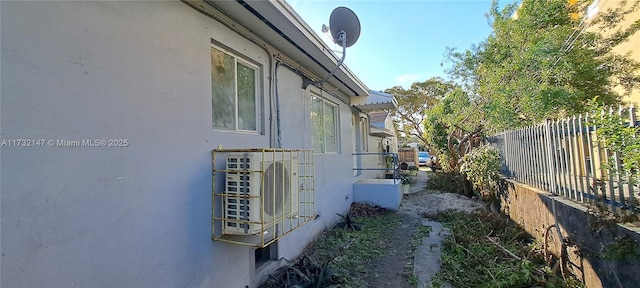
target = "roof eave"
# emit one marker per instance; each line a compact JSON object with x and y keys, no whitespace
{"x":377,"y":106}
{"x":277,"y":23}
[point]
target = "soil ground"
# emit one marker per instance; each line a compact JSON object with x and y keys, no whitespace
{"x":396,"y":266}
{"x":394,"y":269}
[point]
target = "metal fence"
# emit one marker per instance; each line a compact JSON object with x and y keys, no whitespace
{"x":565,"y":158}
{"x":390,"y":168}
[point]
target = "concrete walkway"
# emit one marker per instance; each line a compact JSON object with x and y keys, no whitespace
{"x":426,"y":262}
{"x":421,"y":182}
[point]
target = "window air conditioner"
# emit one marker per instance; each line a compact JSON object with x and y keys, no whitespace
{"x":257,"y":180}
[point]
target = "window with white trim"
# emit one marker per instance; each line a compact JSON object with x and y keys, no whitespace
{"x":324,"y":122}
{"x":364,"y":133}
{"x":234,"y":92}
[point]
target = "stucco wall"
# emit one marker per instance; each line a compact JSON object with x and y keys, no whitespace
{"x":536,"y":210}
{"x":140,"y":215}
{"x":374,"y":161}
{"x":628,"y":48}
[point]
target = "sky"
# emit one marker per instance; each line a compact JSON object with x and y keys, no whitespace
{"x":402,"y":42}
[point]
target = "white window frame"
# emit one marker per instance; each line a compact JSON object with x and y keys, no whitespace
{"x":257,"y":87}
{"x":360,"y":127}
{"x":336,"y":123}
{"x":363,"y":126}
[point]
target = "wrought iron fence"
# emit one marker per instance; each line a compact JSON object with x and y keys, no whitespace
{"x":566,"y":158}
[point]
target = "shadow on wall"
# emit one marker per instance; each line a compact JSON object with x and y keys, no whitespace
{"x":601,"y":253}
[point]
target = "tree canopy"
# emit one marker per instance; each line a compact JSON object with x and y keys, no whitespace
{"x":414,"y":102}
{"x":542,"y":64}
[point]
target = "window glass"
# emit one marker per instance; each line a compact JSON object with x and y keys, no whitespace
{"x":330,"y":128}
{"x":363,"y":134}
{"x":223,"y":89}
{"x":246,"y":97}
{"x":233,"y":93}
{"x":317,"y":124}
{"x":324,"y":123}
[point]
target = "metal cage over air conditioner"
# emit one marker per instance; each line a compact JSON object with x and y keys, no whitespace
{"x":266,"y":193}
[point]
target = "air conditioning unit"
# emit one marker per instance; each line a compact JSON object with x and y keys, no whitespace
{"x":261,"y":190}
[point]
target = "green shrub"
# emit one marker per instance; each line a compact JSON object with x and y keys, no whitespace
{"x":445,"y":181}
{"x":482,"y":167}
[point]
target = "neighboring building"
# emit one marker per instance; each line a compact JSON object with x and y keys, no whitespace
{"x":383,"y":134}
{"x":121,"y":105}
{"x":379,"y":136}
{"x":628,"y":48}
{"x":631,"y":47}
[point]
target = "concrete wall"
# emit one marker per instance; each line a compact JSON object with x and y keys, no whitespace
{"x":140,"y":215}
{"x":536,"y":210}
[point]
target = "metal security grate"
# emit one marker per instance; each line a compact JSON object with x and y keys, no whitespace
{"x":261,"y":194}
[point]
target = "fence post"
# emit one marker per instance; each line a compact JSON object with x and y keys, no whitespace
{"x":574,"y":154}
{"x":632,"y":124}
{"x":592,"y":166}
{"x":563,"y":159}
{"x":539,"y":157}
{"x":550,"y":157}
{"x":618,"y":165}
{"x":583,"y":158}
{"x":612,"y":196}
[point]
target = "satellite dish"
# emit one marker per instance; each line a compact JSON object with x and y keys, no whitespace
{"x":345,"y":31}
{"x":342,"y":19}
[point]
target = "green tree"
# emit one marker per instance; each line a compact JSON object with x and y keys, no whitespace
{"x":543,"y":64}
{"x":446,"y":124}
{"x":539,"y":65}
{"x":619,"y":138}
{"x":454,"y":128}
{"x":413,"y":102}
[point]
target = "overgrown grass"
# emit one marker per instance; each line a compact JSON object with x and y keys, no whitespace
{"x":487,"y":251}
{"x":350,"y":252}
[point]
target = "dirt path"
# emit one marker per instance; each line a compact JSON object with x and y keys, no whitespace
{"x":395,"y":268}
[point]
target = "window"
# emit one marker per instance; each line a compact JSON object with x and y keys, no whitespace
{"x":324,"y":121}
{"x":363,"y":128}
{"x":360,"y":138}
{"x":234,"y":92}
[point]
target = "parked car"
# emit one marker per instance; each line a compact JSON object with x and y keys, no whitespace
{"x":423,"y":158}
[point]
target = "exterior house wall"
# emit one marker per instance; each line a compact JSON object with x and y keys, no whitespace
{"x":140,"y":215}
{"x":628,"y":48}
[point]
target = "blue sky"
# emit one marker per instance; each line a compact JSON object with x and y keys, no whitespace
{"x":402,"y":42}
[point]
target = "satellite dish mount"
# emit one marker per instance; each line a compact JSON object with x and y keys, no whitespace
{"x":343,"y":23}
